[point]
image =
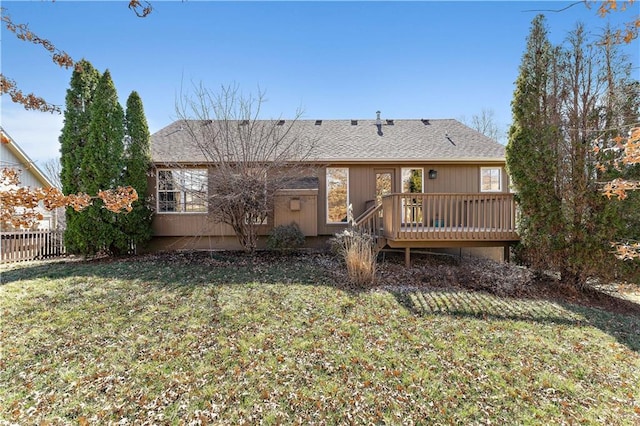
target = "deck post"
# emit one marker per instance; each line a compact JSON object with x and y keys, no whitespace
{"x":506,"y":253}
{"x":407,"y":257}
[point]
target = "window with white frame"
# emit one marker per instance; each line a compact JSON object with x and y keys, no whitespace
{"x":490,"y":179}
{"x":412,"y":180}
{"x":337,"y":194}
{"x":182,"y":191}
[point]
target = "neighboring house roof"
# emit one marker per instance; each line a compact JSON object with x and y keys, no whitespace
{"x":407,"y":140}
{"x":15,"y":157}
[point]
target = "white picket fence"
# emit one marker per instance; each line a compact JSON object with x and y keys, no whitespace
{"x":19,"y":246}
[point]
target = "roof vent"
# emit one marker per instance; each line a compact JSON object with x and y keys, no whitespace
{"x":425,"y":122}
{"x":446,"y":135}
{"x":354,"y":122}
{"x":244,"y":122}
{"x":378,"y":123}
{"x":318,"y":122}
{"x":179,"y":129}
{"x":280,"y":122}
{"x":389,"y":122}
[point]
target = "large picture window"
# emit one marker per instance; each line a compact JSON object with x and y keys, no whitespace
{"x":490,"y":179}
{"x":337,"y":194}
{"x":182,"y":191}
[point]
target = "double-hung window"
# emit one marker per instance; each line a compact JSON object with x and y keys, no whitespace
{"x":490,"y":179}
{"x":182,"y":191}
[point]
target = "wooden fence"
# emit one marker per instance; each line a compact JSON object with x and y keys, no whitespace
{"x":18,"y":246}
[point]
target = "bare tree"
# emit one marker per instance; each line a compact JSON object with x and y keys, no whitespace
{"x":249,"y":159}
{"x":484,"y":123}
{"x":52,"y":167}
{"x":61,"y":58}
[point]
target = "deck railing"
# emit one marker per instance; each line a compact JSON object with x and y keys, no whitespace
{"x":370,"y":222}
{"x":462,"y":217}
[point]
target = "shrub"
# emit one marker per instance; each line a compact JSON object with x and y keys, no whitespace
{"x":285,"y":237}
{"x":360,"y":254}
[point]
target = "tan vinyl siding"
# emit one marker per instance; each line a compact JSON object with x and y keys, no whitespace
{"x":451,"y":178}
{"x":300,"y":207}
{"x":459,"y":178}
{"x":174,"y":225}
{"x":202,"y":225}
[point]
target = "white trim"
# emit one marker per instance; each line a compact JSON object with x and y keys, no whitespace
{"x":326,"y":196}
{"x":181,"y":191}
{"x":26,"y":163}
{"x":499,"y":169}
{"x":402,"y":169}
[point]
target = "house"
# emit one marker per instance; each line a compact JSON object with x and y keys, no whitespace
{"x":413,"y":183}
{"x":13,"y":157}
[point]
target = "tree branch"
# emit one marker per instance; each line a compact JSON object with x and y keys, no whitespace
{"x":554,"y":10}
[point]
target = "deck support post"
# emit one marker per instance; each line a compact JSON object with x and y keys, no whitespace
{"x":506,"y":253}
{"x":407,"y":257}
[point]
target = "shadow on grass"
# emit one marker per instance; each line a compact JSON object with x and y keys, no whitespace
{"x":624,"y":328}
{"x":471,"y":304}
{"x":184,"y":272}
{"x":176,"y":269}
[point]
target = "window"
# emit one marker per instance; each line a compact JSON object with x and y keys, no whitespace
{"x":490,"y":179}
{"x":412,"y":180}
{"x":337,"y":194}
{"x":384,"y":185}
{"x":182,"y":191}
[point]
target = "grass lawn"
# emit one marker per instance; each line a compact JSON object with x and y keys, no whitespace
{"x":216,"y":339}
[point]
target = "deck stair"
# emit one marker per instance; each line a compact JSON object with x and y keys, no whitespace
{"x":441,"y":221}
{"x":370,"y":222}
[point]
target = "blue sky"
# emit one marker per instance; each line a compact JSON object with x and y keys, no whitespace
{"x":334,"y":60}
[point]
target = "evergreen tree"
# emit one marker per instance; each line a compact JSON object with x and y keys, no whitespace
{"x":531,"y":153}
{"x":101,"y":168}
{"x":137,"y":223}
{"x":73,"y":140}
{"x":565,"y":224}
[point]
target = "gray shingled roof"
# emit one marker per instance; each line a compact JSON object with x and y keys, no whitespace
{"x":443,"y":140}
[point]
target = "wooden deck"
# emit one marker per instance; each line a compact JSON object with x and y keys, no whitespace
{"x":442,"y":221}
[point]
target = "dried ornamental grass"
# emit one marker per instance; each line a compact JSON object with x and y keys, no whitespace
{"x":360,"y":254}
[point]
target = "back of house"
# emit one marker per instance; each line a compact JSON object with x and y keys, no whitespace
{"x":422,"y":183}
